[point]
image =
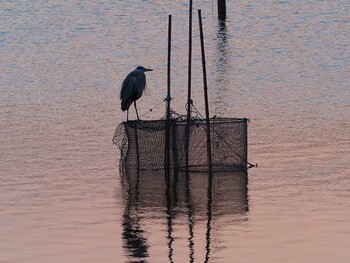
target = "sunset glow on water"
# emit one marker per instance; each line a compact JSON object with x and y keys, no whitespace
{"x":282,"y":64}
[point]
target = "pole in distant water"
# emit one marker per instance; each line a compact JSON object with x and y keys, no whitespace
{"x":222,"y":9}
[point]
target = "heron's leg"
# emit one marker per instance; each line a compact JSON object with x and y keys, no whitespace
{"x":127,"y":115}
{"x":137,"y":114}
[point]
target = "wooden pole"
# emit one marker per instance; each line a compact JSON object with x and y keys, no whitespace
{"x":210,"y":167}
{"x":206,"y":101}
{"x":167,"y":152}
{"x":222,"y":9}
{"x":189,"y":99}
{"x":187,"y":143}
{"x":168,"y":99}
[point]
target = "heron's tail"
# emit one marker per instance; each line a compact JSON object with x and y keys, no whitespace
{"x":125,"y":105}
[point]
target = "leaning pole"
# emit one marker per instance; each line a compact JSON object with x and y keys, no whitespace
{"x":205,"y":87}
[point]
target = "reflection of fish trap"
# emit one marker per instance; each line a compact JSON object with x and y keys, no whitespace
{"x":143,"y":144}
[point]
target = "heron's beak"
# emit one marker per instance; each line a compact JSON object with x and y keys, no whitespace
{"x":148,"y":69}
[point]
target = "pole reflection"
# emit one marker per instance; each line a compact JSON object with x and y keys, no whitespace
{"x":180,"y":218}
{"x":223,"y":67}
{"x":222,"y":46}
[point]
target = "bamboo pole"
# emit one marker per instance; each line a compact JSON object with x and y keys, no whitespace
{"x":168,"y":99}
{"x":167,"y":153}
{"x":205,"y":87}
{"x":188,"y":199}
{"x":189,"y":99}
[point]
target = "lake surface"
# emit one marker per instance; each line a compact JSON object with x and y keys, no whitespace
{"x":283,"y":64}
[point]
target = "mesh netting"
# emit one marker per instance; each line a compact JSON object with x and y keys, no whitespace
{"x":142,"y":144}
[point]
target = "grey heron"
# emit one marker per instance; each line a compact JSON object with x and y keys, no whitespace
{"x":132,"y":88}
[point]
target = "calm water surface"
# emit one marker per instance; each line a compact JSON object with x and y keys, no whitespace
{"x":283,"y":64}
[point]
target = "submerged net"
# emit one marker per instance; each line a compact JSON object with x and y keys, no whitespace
{"x":142,"y":144}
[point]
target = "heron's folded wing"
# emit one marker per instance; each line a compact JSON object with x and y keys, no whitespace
{"x":128,"y":86}
{"x":140,"y":85}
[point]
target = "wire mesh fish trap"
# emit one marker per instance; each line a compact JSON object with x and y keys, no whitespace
{"x":142,"y":144}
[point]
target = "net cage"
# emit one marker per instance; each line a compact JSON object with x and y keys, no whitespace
{"x":143,"y":144}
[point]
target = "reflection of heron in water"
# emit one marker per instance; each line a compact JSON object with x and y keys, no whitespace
{"x":135,"y":242}
{"x":132,"y":89}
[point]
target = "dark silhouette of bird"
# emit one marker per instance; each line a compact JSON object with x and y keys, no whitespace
{"x":133,"y":86}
